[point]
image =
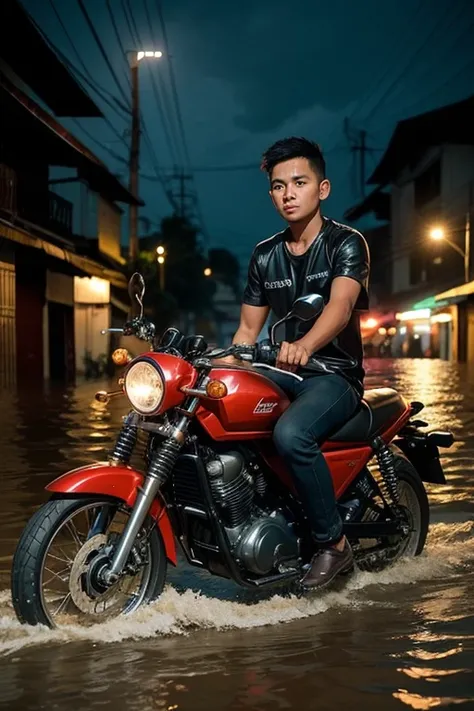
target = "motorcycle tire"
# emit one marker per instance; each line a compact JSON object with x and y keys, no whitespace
{"x":32,"y":548}
{"x":419,"y":510}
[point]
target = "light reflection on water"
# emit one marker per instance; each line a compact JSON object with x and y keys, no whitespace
{"x":403,"y":638}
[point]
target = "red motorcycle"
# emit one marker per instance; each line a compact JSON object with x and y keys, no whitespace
{"x":211,"y":479}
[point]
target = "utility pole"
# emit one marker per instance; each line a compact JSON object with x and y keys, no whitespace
{"x":134,"y":159}
{"x":134,"y":59}
{"x":357,"y":141}
{"x":182,"y":195}
{"x":362,"y":149}
{"x":467,"y":240}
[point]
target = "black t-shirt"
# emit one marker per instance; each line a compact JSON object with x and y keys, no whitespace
{"x":276,"y":278}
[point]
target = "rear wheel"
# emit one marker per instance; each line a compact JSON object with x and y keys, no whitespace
{"x":413,"y":508}
{"x":55,"y":567}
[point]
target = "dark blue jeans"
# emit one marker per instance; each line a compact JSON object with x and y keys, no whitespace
{"x":320,"y":406}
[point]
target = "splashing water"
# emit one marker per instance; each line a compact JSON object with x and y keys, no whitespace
{"x":450,"y":549}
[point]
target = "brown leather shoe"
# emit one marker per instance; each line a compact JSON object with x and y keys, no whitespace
{"x":326,"y":565}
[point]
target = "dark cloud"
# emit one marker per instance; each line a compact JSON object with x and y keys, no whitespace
{"x":282,"y":57}
{"x":252,"y":71}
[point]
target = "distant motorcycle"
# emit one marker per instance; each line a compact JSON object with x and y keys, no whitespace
{"x":212,"y":480}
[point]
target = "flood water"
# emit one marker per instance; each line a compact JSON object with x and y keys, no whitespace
{"x":399,"y":639}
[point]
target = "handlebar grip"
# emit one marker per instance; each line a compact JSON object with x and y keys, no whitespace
{"x":267,"y":353}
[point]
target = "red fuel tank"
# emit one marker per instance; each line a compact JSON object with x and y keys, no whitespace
{"x":250,"y":409}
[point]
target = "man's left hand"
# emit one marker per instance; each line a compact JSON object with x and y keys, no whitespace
{"x":292,"y":355}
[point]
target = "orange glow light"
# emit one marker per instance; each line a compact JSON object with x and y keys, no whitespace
{"x":370,"y":323}
{"x":216,"y":389}
{"x":121,"y":356}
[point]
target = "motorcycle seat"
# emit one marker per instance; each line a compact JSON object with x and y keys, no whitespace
{"x":379,"y":408}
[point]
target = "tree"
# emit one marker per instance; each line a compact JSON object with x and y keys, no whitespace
{"x":225,"y":266}
{"x":187,"y":289}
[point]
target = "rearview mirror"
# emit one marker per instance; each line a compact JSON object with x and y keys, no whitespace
{"x":136,"y":290}
{"x":307,"y":307}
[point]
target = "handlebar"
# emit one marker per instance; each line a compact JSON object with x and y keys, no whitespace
{"x":259,"y":352}
{"x":140,"y":327}
{"x":265,"y":353}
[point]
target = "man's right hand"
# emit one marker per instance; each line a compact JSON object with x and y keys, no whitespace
{"x":292,"y":355}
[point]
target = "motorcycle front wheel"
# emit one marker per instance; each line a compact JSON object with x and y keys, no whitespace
{"x":53,"y":573}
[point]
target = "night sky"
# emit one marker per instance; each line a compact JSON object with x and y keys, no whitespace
{"x":251,"y":72}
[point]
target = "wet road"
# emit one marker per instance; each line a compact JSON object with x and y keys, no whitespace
{"x":403,"y":638}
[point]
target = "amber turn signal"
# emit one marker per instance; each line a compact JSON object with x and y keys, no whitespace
{"x":216,"y":389}
{"x":121,"y":356}
{"x":102,"y":396}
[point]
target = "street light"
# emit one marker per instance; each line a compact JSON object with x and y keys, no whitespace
{"x":161,"y":258}
{"x":438,"y":234}
{"x":134,"y":58}
{"x":142,"y":55}
{"x":207,"y":272}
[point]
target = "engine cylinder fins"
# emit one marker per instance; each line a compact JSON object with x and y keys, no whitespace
{"x":232,"y":487}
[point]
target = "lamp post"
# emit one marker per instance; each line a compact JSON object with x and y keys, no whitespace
{"x":134,"y":59}
{"x":439,"y":234}
{"x":161,"y":259}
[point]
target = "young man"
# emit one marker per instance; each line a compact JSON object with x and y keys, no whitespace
{"x":314,"y":254}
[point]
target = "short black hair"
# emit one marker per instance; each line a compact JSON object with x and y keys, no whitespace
{"x":293,"y":147}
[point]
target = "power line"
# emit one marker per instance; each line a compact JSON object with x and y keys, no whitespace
{"x":389,"y":69}
{"x":119,"y":41}
{"x":161,"y":179}
{"x":411,"y":59}
{"x":149,"y":144}
{"x":80,"y":60}
{"x":174,"y":89}
{"x":435,"y":93}
{"x":64,"y":28}
{"x":420,"y":80}
{"x":135,"y":35}
{"x":94,"y":86}
{"x":174,"y":147}
{"x":101,"y":47}
{"x":133,"y":30}
{"x":174,"y":92}
{"x":112,"y":153}
{"x":366,"y":97}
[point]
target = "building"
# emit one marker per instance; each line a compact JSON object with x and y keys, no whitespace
{"x":58,"y":278}
{"x":428,"y":170}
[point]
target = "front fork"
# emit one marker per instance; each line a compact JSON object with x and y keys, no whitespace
{"x":160,"y":468}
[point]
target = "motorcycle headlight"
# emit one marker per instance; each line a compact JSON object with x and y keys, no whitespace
{"x":144,"y":387}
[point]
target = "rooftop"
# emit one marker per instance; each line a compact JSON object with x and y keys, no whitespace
{"x":33,"y":131}
{"x":25,"y":50}
{"x":448,"y":124}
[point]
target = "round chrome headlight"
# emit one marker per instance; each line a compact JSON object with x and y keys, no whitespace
{"x":144,"y":387}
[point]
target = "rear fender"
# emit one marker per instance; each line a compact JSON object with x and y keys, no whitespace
{"x":120,"y":481}
{"x":421,"y":448}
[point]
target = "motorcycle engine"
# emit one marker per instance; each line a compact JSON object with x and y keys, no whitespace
{"x":260,"y":540}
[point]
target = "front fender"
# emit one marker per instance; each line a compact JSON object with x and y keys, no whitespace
{"x":121,"y":482}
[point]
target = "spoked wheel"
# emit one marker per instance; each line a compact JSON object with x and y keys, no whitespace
{"x":56,"y":568}
{"x":413,"y":508}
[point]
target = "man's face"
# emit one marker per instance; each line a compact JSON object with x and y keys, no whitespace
{"x":296,"y":190}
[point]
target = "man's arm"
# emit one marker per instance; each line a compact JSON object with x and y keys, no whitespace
{"x":252,"y":320}
{"x":333,"y":320}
